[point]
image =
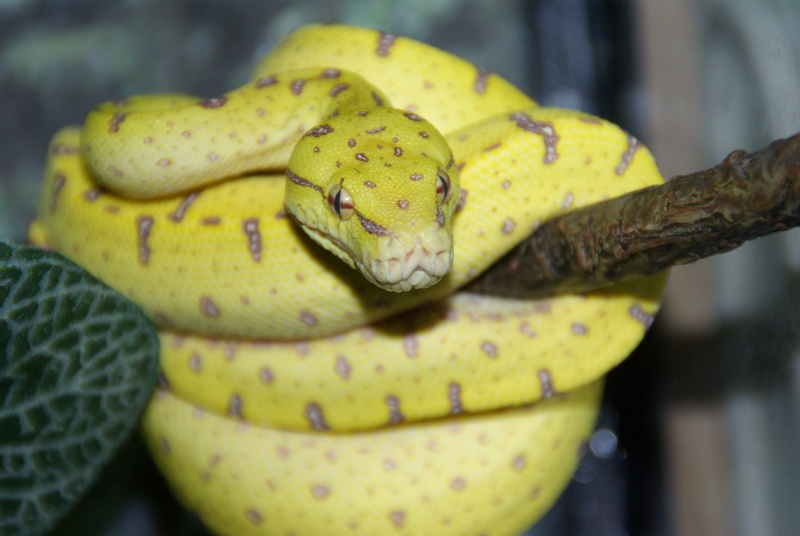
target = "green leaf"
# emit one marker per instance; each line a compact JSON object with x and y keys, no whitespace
{"x":78,"y":362}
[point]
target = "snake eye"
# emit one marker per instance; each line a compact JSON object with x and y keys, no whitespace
{"x":340,"y":202}
{"x":443,"y":187}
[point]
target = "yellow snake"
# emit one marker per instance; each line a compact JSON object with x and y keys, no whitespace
{"x":301,"y":396}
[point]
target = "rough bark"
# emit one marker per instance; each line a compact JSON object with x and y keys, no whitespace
{"x":688,"y":218}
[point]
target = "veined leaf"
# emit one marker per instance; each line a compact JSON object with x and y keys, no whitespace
{"x":78,"y":362}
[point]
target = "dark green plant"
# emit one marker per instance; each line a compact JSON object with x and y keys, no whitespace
{"x":78,"y":362}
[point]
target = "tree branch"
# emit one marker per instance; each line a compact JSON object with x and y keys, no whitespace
{"x":688,"y":218}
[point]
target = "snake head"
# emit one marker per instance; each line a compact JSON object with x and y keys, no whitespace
{"x":378,"y":189}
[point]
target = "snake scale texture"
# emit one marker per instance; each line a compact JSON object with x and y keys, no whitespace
{"x":303,"y":395}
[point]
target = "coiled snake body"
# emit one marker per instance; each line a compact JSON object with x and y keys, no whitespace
{"x":301,"y":396}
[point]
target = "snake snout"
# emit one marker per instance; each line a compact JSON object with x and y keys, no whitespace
{"x":415,"y":266}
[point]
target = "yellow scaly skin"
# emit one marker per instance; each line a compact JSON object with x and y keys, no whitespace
{"x":228,"y":262}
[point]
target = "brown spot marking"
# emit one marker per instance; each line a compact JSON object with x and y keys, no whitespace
{"x":320,"y":492}
{"x":371,"y":227}
{"x":398,"y":518}
{"x":308,"y":318}
{"x":375,"y":130}
{"x":253,"y":234}
{"x":216,"y":102}
{"x":492,"y":147}
{"x":546,"y":383}
{"x":416,"y":176}
{"x":164,"y":445}
{"x":377,"y":98}
{"x":318,"y":131}
{"x":519,"y":463}
{"x":508,"y":226}
{"x":525,"y":329}
{"x":211,"y":220}
{"x":331,"y":73}
{"x":267,"y":81}
{"x":196,"y":363}
{"x":315,"y":417}
{"x":342,"y":367}
{"x":458,"y":484}
{"x":266,"y":375}
{"x":316,"y":149}
{"x":454,"y":396}
{"x":385,"y":42}
{"x":398,"y":151}
{"x":302,"y":182}
{"x":489,"y":348}
{"x":212,"y":157}
{"x":579,"y":329}
{"x":115,"y":121}
{"x":114,"y":171}
{"x":164,"y":162}
{"x":235,"y":406}
{"x":254,"y":517}
{"x":506,"y":184}
{"x":178,"y":214}
{"x":462,"y":199}
{"x":543,"y":128}
{"x":440,"y":216}
{"x":395,"y":415}
{"x":627,"y":157}
{"x":144,"y":225}
{"x":338,"y":88}
{"x":351,"y":142}
{"x":402,"y":204}
{"x":297,"y":86}
{"x":568,"y":200}
{"x":423,"y":134}
{"x":640,"y":315}
{"x":389,"y":464}
{"x":411,"y":345}
{"x":481,"y":80}
{"x":590,"y":120}
{"x":412,"y":116}
{"x":369,"y":184}
{"x":208,"y":307}
{"x":58,"y":183}
{"x":362,"y":157}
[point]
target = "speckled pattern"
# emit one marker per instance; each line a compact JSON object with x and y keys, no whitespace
{"x":268,"y":340}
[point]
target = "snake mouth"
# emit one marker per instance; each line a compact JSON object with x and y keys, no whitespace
{"x":395,"y":265}
{"x":418,"y":266}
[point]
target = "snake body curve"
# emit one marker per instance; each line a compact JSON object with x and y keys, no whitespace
{"x":225,"y":261}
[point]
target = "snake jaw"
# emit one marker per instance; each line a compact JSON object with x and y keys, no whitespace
{"x":402,"y":268}
{"x":392,"y":261}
